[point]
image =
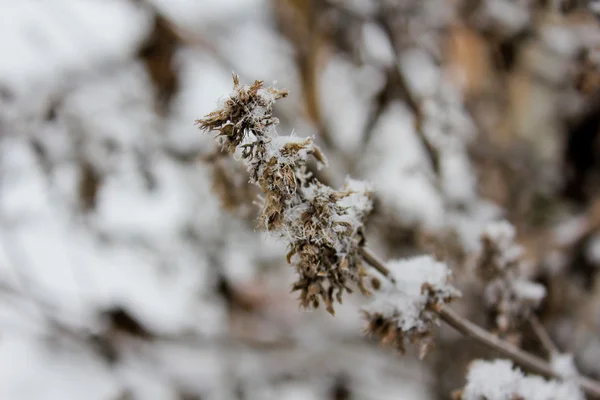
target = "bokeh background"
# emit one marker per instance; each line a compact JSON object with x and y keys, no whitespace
{"x":131,"y":266}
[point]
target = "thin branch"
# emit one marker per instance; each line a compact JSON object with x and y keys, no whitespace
{"x":409,"y":97}
{"x":469,"y":329}
{"x":375,"y":262}
{"x":543,"y":336}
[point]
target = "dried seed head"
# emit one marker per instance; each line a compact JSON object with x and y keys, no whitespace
{"x":403,"y":311}
{"x":322,"y":226}
{"x":247,"y":110}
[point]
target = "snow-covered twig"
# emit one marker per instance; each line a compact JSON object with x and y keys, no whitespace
{"x":486,"y":338}
{"x":403,"y":308}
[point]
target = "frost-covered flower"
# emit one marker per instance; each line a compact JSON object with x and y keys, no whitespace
{"x":498,"y":380}
{"x":322,"y":226}
{"x":247,"y":110}
{"x":404,"y":308}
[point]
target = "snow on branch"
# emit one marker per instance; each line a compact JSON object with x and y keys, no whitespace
{"x":511,"y":296}
{"x":404,"y":308}
{"x":499,"y":380}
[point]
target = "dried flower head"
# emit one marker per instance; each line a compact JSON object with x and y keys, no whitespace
{"x":511,"y":297}
{"x":322,"y":226}
{"x":404,"y":310}
{"x":247,"y":110}
{"x":498,"y":380}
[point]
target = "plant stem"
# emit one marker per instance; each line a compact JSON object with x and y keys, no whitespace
{"x":375,"y":262}
{"x":543,"y":336}
{"x":469,"y":329}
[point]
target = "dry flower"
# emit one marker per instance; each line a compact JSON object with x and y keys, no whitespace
{"x":404,"y":310}
{"x":322,"y":226}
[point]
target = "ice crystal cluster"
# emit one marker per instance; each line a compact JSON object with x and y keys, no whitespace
{"x":498,"y":380}
{"x":507,"y":293}
{"x":404,"y":308}
{"x":323,"y":226}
